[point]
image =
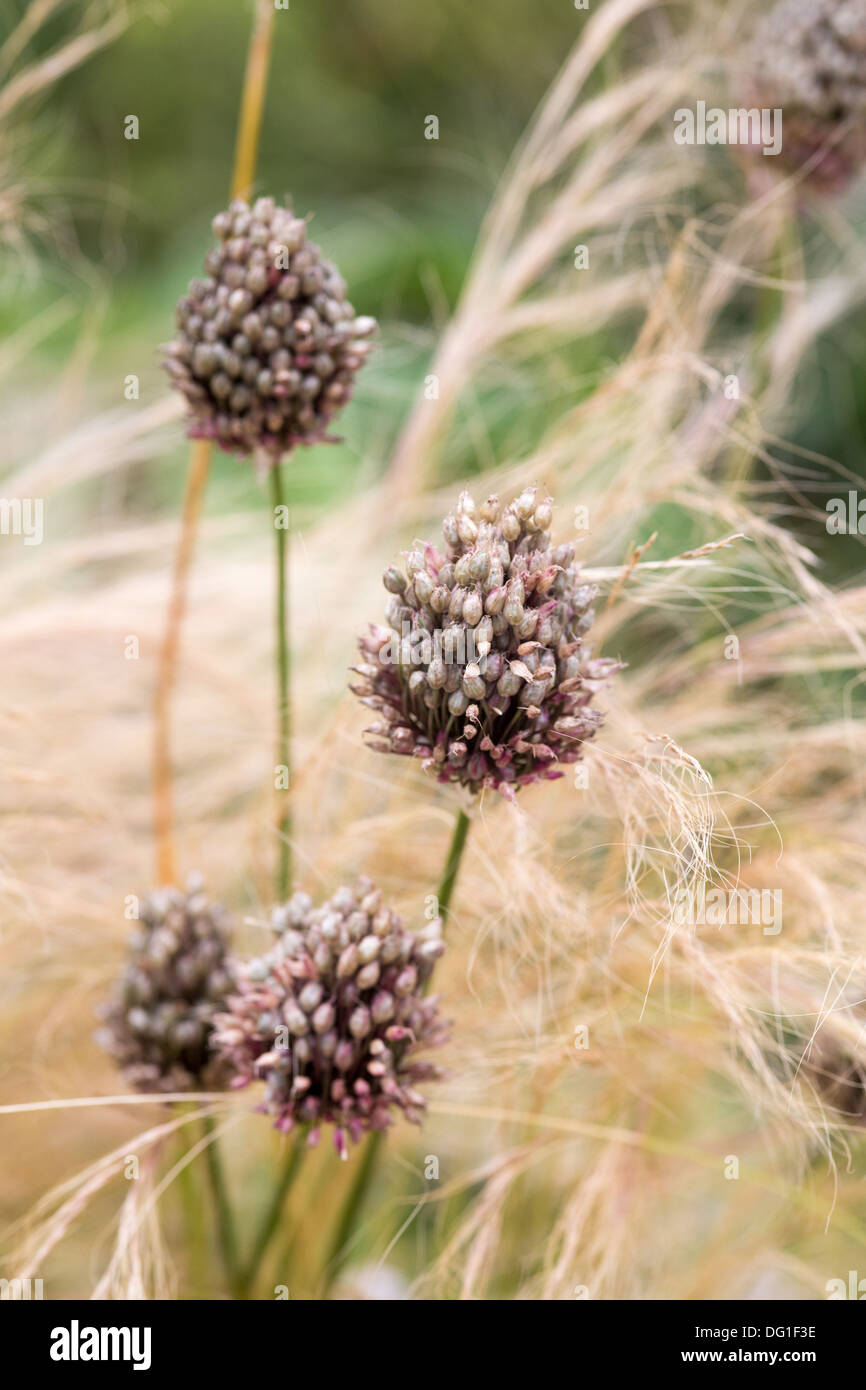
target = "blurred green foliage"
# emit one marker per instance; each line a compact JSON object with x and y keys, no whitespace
{"x":351,"y":83}
{"x":350,"y":87}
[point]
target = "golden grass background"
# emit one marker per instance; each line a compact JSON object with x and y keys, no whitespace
{"x":564,"y":1172}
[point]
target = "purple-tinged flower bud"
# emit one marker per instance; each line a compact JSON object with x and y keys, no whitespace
{"x":394,"y":581}
{"x":265,"y":280}
{"x":479,"y":565}
{"x":495,"y":600}
{"x":524,"y":505}
{"x":348,"y":962}
{"x":472,"y":609}
{"x":415,"y":563}
{"x":457,"y":753}
{"x":530,"y":607}
{"x":382,"y":1008}
{"x":159,"y":1024}
{"x":295,"y":1018}
{"x":423,"y":586}
{"x":310,"y":996}
{"x":323,"y":1018}
{"x":368,"y":975}
{"x":359,"y":1022}
{"x":474,"y":684}
{"x":542,"y":516}
{"x":436,"y":673}
{"x":346,"y":1068}
{"x":369,"y":948}
{"x":484,"y":635}
{"x":406,"y":981}
{"x":455,"y":607}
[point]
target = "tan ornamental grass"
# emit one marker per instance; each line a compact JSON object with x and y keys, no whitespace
{"x":606,"y":1060}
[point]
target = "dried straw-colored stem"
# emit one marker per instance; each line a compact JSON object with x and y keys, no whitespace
{"x":253,"y":100}
{"x":246,"y":151}
{"x":166,"y":867}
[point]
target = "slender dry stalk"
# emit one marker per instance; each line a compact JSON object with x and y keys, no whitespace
{"x":196,"y":482}
{"x":601,"y":1047}
{"x":253,"y":101}
{"x":243,"y":175}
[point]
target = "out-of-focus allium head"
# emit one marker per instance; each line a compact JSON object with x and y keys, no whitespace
{"x":333,"y":1017}
{"x":268,"y":345}
{"x":837,"y":1075}
{"x":483,"y":672}
{"x":159,"y":1024}
{"x":809,"y":58}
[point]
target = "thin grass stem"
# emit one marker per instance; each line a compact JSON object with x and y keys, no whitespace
{"x":163,"y":795}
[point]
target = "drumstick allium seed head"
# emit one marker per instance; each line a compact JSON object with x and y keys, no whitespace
{"x":332,"y":1018}
{"x":483,"y":672}
{"x":267,"y":345}
{"x":808,"y":57}
{"x":159,"y":1024}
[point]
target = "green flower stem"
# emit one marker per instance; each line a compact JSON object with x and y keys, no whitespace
{"x":197,"y":1243}
{"x":339,"y":1247}
{"x":271,"y":1219}
{"x":246,"y":152}
{"x":340,"y":1241}
{"x":452,"y":863}
{"x":225,"y":1222}
{"x":284,"y":820}
{"x":314,"y":1200}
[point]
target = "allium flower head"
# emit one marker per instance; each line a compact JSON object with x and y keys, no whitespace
{"x":159,"y":1024}
{"x":484,"y":673}
{"x":809,"y":59}
{"x":268,"y":345}
{"x":332,"y":1018}
{"x":836,"y":1074}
